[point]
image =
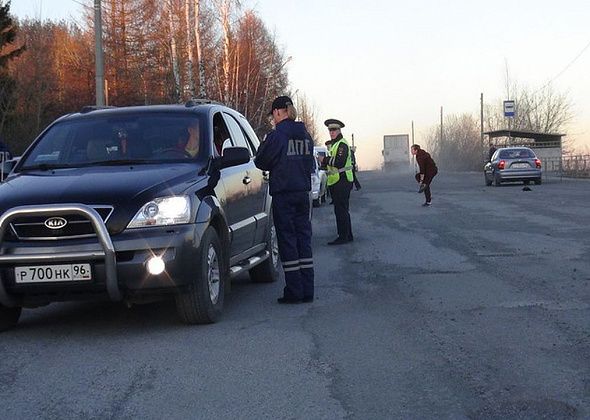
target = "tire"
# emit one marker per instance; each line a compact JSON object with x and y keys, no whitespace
{"x":9,"y":317}
{"x":202,"y":303}
{"x":497,"y":181}
{"x":488,"y":182}
{"x":538,"y":181}
{"x":318,"y":202}
{"x":268,"y":270}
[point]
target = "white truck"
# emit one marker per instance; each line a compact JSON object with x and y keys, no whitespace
{"x":396,"y":151}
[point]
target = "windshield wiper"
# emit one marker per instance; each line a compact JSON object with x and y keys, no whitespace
{"x":116,"y":162}
{"x":47,"y":166}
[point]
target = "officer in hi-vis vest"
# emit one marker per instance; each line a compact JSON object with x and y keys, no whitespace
{"x":287,"y":152}
{"x":340,"y":179}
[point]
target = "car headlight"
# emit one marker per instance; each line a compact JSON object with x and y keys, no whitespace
{"x":163,"y":211}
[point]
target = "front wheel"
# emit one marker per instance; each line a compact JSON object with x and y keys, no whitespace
{"x":202,"y":303}
{"x":9,"y":317}
{"x":268,"y":270}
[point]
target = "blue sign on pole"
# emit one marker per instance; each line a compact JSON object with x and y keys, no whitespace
{"x":509,"y":108}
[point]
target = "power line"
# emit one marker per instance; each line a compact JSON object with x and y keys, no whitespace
{"x":565,"y":68}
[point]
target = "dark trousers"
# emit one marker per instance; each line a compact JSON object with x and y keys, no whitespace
{"x":292,"y":222}
{"x":427,"y":181}
{"x":341,"y":197}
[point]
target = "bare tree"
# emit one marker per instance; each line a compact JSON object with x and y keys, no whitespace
{"x":173,"y":51}
{"x":200,"y":64}
{"x":308,"y":114}
{"x":190,"y":86}
{"x":460,"y":147}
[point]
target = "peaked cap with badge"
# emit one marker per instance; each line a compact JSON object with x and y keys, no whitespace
{"x":334,"y":123}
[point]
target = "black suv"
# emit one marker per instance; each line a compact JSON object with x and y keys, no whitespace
{"x":112,"y":204}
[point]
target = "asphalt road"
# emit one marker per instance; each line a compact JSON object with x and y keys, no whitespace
{"x":476,"y":307}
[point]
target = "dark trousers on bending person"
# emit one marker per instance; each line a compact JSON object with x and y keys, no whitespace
{"x":341,"y":197}
{"x":292,"y":222}
{"x":427,"y":181}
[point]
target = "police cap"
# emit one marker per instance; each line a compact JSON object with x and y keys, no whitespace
{"x":333,"y":123}
{"x":281,"y":102}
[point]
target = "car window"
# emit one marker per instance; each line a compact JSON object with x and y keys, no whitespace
{"x":221,"y":136}
{"x":516,"y":154}
{"x":142,"y":138}
{"x":250,"y":135}
{"x":237,"y":135}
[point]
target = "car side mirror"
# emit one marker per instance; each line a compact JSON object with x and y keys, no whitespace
{"x":233,"y":156}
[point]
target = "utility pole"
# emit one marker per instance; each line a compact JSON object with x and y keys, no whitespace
{"x":441,"y":126}
{"x":99,"y":54}
{"x":481,"y":120}
{"x":352,"y":136}
{"x":413,"y":142}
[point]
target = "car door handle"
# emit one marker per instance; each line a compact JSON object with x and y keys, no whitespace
{"x":246,"y":180}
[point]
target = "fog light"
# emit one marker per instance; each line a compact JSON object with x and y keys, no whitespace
{"x":156,"y":266}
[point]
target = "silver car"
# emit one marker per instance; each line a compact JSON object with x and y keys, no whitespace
{"x":513,"y":164}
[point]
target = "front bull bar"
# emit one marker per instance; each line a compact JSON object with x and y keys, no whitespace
{"x":107,"y":253}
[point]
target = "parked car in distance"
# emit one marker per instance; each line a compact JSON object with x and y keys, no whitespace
{"x":319,"y":178}
{"x":513,"y":164}
{"x":122,"y":204}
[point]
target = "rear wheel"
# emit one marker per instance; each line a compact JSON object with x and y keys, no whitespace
{"x":497,"y":181}
{"x":538,"y":181}
{"x":527,"y":182}
{"x":202,"y":303}
{"x":9,"y":317}
{"x":268,"y":270}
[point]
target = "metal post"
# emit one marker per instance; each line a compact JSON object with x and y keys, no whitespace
{"x":481,"y":120}
{"x":99,"y":54}
{"x":441,"y":126}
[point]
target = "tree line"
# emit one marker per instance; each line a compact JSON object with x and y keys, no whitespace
{"x":155,"y":51}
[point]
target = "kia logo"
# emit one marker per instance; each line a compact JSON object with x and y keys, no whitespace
{"x":56,"y":223}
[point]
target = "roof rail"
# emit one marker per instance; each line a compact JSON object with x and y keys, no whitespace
{"x":89,"y":108}
{"x":200,"y":101}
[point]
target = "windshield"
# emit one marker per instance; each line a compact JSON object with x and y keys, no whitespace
{"x":145,"y":138}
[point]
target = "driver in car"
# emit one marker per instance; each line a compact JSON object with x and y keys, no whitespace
{"x":189,"y":142}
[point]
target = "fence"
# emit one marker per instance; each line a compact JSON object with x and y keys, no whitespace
{"x":576,"y":166}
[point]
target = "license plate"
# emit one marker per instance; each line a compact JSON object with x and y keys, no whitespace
{"x":520,"y":165}
{"x":52,"y":273}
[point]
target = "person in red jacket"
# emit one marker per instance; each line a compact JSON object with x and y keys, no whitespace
{"x":428,"y":171}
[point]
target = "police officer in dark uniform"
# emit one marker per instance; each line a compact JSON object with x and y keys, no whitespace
{"x":287,"y":153}
{"x":340,"y":179}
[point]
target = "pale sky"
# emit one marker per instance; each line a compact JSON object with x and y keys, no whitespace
{"x":378,"y":65}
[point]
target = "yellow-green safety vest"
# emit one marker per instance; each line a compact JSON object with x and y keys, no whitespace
{"x":333,"y":172}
